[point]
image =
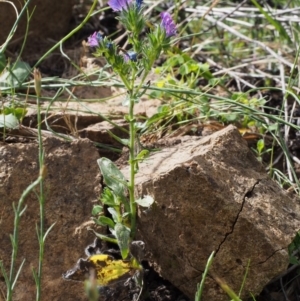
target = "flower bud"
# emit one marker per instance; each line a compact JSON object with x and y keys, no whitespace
{"x":37,"y":81}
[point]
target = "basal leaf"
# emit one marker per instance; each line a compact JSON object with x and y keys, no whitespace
{"x":113,"y":178}
{"x":8,"y":121}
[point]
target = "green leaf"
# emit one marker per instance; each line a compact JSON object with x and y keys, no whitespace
{"x":174,"y":60}
{"x":200,"y":286}
{"x":103,"y":237}
{"x":188,"y":67}
{"x":230,"y":292}
{"x":230,"y":117}
{"x":8,"y":121}
{"x":123,"y":238}
{"x":18,"y":112}
{"x":294,"y":245}
{"x":162,"y":109}
{"x":214,"y":81}
{"x":97,"y":209}
{"x":106,"y":221}
{"x":2,"y":61}
{"x":96,"y":221}
{"x":113,"y":178}
{"x":281,"y":30}
{"x":108,"y":198}
{"x":125,"y":142}
{"x":125,"y":215}
{"x":205,"y":71}
{"x":115,"y":215}
{"x":273,"y":127}
{"x":260,"y":145}
{"x":146,"y":201}
{"x":14,"y":78}
{"x":294,"y":260}
{"x":142,"y":155}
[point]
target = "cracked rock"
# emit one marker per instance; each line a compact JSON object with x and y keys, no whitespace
{"x":212,"y":194}
{"x":72,"y":185}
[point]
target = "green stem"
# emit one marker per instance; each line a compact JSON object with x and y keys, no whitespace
{"x":200,"y":286}
{"x":15,"y":238}
{"x":132,"y":167}
{"x":41,"y":201}
{"x":131,"y":146}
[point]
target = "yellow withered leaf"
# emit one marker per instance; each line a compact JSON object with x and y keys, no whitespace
{"x":108,"y":269}
{"x":105,"y":268}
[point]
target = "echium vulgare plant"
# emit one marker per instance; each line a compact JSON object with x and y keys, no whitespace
{"x":132,"y":67}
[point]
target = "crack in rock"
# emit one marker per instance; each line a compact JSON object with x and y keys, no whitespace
{"x":247,"y":195}
{"x":188,"y":280}
{"x":262,"y":262}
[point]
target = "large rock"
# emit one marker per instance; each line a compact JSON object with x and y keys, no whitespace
{"x":71,"y":186}
{"x":212,"y":194}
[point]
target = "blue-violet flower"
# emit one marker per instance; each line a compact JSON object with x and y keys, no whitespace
{"x":118,"y":5}
{"x":168,"y":24}
{"x":139,"y":4}
{"x":94,"y":39}
{"x":109,"y":45}
{"x":130,"y":55}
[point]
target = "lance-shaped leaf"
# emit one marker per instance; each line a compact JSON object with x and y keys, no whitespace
{"x":106,"y":221}
{"x":123,"y":238}
{"x":113,"y":178}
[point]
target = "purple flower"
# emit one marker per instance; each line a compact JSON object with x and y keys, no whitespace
{"x":168,"y":24}
{"x":130,"y":55}
{"x":118,"y":5}
{"x":94,"y":39}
